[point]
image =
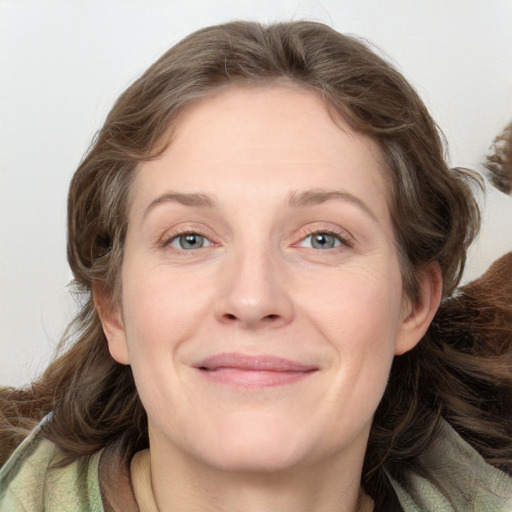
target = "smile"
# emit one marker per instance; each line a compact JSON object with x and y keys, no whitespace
{"x":241,"y":370}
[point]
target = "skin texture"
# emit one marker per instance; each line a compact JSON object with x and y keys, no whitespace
{"x":268,"y":168}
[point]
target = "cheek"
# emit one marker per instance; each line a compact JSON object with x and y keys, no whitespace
{"x":159,"y":317}
{"x":162,"y":311}
{"x":161,"y":307}
{"x":360,"y":317}
{"x":358,"y":307}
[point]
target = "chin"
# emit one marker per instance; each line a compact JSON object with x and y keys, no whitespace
{"x":255,"y":457}
{"x":255,"y":446}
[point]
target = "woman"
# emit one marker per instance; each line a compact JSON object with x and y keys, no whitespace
{"x":263,"y":231}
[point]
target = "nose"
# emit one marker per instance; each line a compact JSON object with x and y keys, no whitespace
{"x":253,"y":292}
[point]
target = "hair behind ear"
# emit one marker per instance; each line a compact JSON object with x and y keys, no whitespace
{"x":471,"y":338}
{"x":461,"y":370}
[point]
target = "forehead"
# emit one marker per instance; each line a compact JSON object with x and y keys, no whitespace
{"x":241,"y":138}
{"x":282,"y":118}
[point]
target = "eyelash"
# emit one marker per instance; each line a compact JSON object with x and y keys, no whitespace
{"x":168,"y":240}
{"x":342,"y":238}
{"x":345,"y":241}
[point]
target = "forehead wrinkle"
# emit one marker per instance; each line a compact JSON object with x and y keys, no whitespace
{"x":319,"y":196}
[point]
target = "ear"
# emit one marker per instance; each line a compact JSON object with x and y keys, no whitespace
{"x":112,"y":322}
{"x":416,"y":318}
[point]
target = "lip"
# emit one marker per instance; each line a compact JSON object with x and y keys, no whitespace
{"x":253,"y":371}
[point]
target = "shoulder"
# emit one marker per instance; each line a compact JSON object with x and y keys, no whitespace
{"x":35,"y":479}
{"x":453,"y":477}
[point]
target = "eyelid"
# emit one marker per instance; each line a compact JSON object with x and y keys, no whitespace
{"x":173,"y":239}
{"x":342,"y":235}
{"x":346,"y":239}
{"x":175,"y":232}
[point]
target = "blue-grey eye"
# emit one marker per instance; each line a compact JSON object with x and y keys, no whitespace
{"x":189,"y":241}
{"x":321,"y":241}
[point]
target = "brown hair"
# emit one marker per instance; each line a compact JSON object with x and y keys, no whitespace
{"x":93,"y":398}
{"x":499,"y":162}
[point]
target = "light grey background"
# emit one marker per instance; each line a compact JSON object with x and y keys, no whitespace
{"x":63,"y":62}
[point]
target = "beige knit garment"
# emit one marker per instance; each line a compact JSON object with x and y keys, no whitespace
{"x":140,"y":469}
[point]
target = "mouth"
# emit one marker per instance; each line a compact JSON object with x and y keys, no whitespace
{"x":249,"y":371}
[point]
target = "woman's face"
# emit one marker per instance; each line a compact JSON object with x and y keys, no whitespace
{"x":262,"y":297}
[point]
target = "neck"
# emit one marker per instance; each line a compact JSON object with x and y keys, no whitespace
{"x":189,"y":486}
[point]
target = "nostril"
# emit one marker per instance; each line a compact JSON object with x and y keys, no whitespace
{"x":231,"y":316}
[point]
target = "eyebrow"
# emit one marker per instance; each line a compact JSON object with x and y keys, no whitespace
{"x":186,"y":199}
{"x":319,"y":196}
{"x":296,"y":200}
